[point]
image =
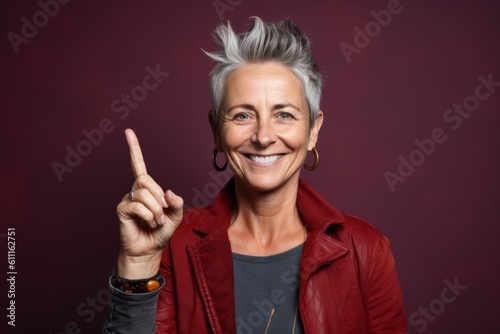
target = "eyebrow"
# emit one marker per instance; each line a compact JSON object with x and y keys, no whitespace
{"x":275,"y":107}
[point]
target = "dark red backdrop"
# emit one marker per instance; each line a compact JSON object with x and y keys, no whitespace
{"x":391,"y":82}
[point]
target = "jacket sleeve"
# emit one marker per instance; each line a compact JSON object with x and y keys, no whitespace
{"x":384,"y":298}
{"x":131,"y":313}
{"x":165,"y":313}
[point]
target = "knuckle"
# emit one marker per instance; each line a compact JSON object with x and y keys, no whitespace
{"x":141,"y":193}
{"x":120,"y":207}
{"x":140,"y":211}
{"x":137,"y":209}
{"x":158,"y":211}
{"x":148,"y":216}
{"x":142,"y":180}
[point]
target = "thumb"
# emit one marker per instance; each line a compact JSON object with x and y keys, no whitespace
{"x":175,"y":205}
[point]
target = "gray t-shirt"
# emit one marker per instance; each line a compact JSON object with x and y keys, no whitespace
{"x":265,"y":283}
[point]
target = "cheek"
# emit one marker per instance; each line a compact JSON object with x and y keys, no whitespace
{"x":230,"y":137}
{"x":297,"y":137}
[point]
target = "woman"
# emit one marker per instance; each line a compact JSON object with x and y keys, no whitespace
{"x":271,"y":255}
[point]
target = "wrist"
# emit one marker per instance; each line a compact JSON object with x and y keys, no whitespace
{"x":138,"y":268}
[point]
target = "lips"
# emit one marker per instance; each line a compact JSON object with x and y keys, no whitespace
{"x":265,"y":160}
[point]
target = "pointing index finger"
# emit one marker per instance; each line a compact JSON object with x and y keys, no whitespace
{"x":136,"y":158}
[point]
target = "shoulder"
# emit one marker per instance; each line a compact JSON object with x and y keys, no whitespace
{"x":359,"y":228}
{"x":360,"y":236}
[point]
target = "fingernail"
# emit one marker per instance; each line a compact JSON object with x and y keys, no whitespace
{"x":164,"y":202}
{"x":163,"y":220}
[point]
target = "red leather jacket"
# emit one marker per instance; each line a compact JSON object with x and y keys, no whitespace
{"x":348,"y":282}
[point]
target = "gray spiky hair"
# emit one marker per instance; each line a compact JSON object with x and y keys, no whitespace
{"x":264,"y":42}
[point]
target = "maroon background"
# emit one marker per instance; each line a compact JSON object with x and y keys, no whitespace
{"x":441,"y":220}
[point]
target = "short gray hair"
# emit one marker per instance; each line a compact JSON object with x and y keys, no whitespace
{"x":282,"y":42}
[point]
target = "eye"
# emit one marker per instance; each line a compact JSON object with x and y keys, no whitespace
{"x":241,"y":116}
{"x":285,"y":116}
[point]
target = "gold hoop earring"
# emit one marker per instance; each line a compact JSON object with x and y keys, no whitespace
{"x":316,"y":160}
{"x":214,"y":161}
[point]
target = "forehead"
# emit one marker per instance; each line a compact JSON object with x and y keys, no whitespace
{"x":263,"y":80}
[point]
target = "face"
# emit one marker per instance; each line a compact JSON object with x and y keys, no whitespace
{"x":265,"y":131}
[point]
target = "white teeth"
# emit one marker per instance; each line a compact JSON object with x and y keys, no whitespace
{"x":265,"y":160}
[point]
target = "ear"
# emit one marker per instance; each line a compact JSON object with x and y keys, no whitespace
{"x":215,"y":133}
{"x":314,"y":132}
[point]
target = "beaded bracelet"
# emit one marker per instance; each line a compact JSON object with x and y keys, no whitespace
{"x":135,"y":286}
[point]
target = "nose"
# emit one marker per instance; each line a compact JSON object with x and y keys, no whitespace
{"x":264,"y":134}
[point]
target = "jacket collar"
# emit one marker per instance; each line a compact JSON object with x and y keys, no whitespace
{"x":315,"y":211}
{"x":212,"y":258}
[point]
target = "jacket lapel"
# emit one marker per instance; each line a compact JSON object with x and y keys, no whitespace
{"x":213,"y":264}
{"x":213,"y":267}
{"x":319,"y":250}
{"x":319,"y":216}
{"x":322,"y":249}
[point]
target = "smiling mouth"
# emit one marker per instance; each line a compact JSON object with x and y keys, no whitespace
{"x":268,"y":159}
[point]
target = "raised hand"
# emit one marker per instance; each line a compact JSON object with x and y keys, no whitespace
{"x":148,"y":218}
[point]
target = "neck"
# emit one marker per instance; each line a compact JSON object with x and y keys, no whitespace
{"x":266,"y":223}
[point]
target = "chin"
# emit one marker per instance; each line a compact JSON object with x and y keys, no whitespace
{"x":267,"y":183}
